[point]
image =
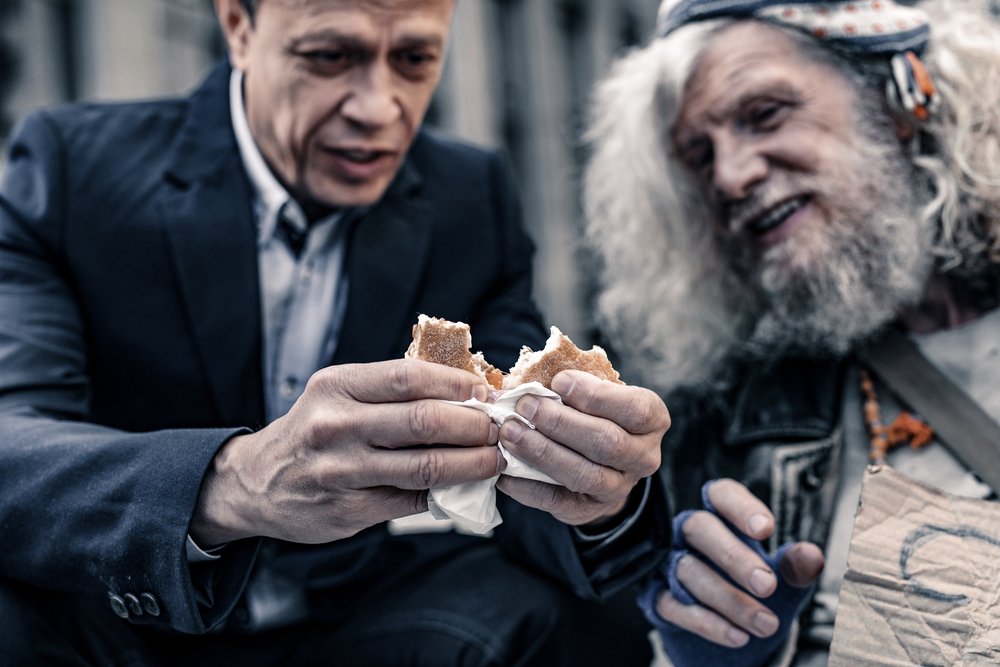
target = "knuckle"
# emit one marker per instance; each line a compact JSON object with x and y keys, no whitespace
{"x":691,"y":617}
{"x":337,"y":477}
{"x":428,"y":470}
{"x":618,"y":445}
{"x":585,"y":396}
{"x":686,"y":568}
{"x":650,"y":461}
{"x":666,"y":420}
{"x":477,"y":428}
{"x":318,"y":380}
{"x":423,"y":420}
{"x":549,"y":497}
{"x":707,"y":624}
{"x":406,"y":375}
{"x":730,"y":557}
{"x":650,"y":413}
{"x":551,"y":419}
{"x":331,"y":375}
{"x":588,"y":482}
{"x":699,"y":619}
{"x":744,"y":610}
{"x":417,"y":502}
{"x":697,"y":523}
{"x":534,"y":449}
{"x":668,"y":607}
{"x":332,"y":380}
{"x":581,"y":513}
{"x":645,"y":412}
{"x":318,"y":427}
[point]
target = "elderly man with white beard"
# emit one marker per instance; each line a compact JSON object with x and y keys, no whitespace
{"x":781,"y":194}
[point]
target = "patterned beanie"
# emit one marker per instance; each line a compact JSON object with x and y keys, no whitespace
{"x":864,"y":27}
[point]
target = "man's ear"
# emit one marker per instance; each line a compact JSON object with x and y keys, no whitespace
{"x":237,"y":27}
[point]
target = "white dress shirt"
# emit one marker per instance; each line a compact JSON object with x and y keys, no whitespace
{"x":303,"y":296}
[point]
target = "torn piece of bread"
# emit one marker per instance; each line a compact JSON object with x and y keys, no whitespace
{"x":493,"y":375}
{"x":441,"y":341}
{"x":559,"y":354}
{"x":445,"y":342}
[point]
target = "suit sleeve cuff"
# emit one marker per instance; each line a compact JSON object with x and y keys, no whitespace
{"x":196,"y":554}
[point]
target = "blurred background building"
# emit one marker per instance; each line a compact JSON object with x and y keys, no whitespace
{"x":518,"y":76}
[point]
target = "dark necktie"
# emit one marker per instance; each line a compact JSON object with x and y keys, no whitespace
{"x":293,"y":227}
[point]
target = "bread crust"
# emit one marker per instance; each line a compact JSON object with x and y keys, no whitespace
{"x":445,"y":342}
{"x":559,"y":354}
{"x":448,"y":343}
{"x":441,"y":341}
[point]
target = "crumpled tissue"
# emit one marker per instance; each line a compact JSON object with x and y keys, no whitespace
{"x":472,"y":505}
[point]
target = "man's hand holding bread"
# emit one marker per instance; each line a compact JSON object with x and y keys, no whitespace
{"x":361,"y":446}
{"x":364,"y":442}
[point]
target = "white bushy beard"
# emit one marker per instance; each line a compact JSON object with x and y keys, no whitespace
{"x":680,"y":324}
{"x":835,"y":283}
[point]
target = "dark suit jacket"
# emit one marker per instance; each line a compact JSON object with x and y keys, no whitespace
{"x":130,"y":342}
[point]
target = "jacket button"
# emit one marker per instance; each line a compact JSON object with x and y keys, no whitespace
{"x":132,"y":602}
{"x":150,"y":604}
{"x":118,"y":605}
{"x":810,"y":480}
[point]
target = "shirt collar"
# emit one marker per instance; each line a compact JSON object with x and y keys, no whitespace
{"x":270,"y":194}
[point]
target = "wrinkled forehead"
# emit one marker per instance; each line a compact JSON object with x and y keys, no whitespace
{"x":741,"y":49}
{"x":366,"y":20}
{"x":385,"y":8}
{"x":743,"y":56}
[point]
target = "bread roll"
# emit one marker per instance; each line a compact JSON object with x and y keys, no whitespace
{"x":559,"y":354}
{"x":444,"y":342}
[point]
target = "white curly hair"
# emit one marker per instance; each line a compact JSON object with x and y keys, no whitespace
{"x":668,"y":312}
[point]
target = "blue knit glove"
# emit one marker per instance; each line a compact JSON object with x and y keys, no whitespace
{"x":685,"y":649}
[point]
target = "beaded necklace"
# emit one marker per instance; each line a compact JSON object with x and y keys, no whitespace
{"x":905,"y":428}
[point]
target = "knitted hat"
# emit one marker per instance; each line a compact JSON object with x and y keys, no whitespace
{"x":862,"y":26}
{"x":865,"y":27}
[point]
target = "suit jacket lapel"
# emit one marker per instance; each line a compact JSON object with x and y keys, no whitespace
{"x":387,"y":254}
{"x":207,"y":216}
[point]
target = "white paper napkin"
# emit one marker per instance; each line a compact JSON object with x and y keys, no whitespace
{"x":472,"y":506}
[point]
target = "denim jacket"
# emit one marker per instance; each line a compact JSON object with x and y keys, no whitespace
{"x":779,"y":432}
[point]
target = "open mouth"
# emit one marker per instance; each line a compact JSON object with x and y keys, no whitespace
{"x":360,"y":156}
{"x":772,"y":218}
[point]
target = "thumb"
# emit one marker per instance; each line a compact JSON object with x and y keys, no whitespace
{"x":801,"y":564}
{"x":798,"y":568}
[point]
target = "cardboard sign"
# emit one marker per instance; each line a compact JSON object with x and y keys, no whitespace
{"x":923,"y":579}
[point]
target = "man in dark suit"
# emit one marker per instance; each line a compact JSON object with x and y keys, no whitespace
{"x":202,"y":438}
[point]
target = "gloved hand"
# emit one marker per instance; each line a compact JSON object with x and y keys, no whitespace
{"x":685,"y":648}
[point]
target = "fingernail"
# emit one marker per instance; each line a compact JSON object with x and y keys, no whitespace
{"x":737,"y":638}
{"x":494,"y":434}
{"x":757,"y":524}
{"x":563,"y":384}
{"x":527,"y":407}
{"x":480,"y":393}
{"x":761,"y":581}
{"x":512,"y":431}
{"x":765,"y":623}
